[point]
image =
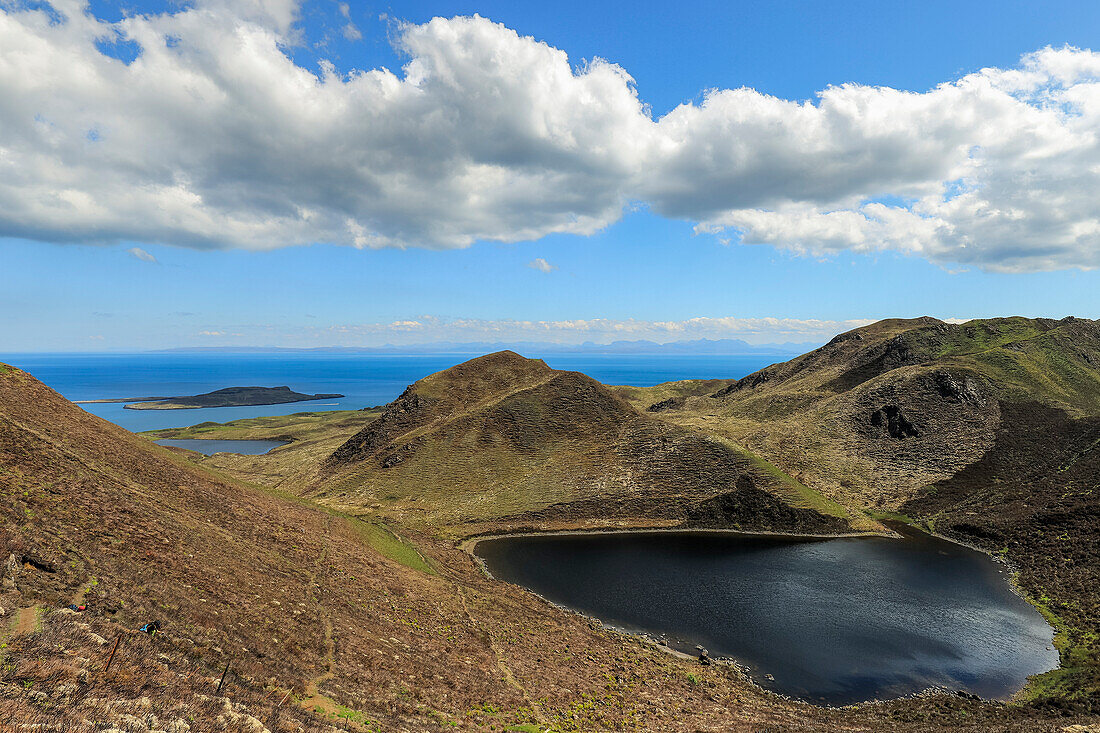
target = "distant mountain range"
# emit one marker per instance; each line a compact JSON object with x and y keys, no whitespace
{"x":725,"y":347}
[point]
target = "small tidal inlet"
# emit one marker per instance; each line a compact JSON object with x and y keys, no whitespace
{"x":833,"y":621}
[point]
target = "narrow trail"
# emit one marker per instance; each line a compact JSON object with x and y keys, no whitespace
{"x":505,"y":672}
{"x":26,"y":620}
{"x":80,"y":595}
{"x":314,"y":699}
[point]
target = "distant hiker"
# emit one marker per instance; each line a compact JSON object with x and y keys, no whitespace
{"x":78,"y":609}
{"x":151,"y":628}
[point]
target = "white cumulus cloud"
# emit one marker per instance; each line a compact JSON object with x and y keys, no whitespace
{"x":212,"y":137}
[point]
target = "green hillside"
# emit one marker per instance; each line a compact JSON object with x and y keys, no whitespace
{"x":504,"y":440}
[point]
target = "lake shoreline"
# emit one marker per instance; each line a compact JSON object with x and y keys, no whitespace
{"x":469,"y":544}
{"x":748,"y":672}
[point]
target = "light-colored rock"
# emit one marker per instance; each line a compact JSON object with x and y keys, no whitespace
{"x":11,"y":569}
{"x":64,"y":690}
{"x":130,"y":721}
{"x":236,"y":714}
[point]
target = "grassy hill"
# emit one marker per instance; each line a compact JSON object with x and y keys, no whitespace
{"x":881,"y":412}
{"x":505,"y":441}
{"x":984,"y":431}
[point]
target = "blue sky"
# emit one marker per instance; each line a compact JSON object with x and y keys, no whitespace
{"x":653,"y":261}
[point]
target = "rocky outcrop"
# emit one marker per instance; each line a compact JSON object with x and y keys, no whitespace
{"x":747,"y":507}
{"x":894,"y":421}
{"x":964,"y":388}
{"x":407,"y":412}
{"x":670,"y":404}
{"x":11,"y":572}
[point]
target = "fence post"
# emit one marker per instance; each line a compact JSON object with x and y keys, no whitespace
{"x":112,"y":657}
{"x":222,"y":680}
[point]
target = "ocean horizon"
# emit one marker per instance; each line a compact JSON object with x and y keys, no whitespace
{"x":365,"y":380}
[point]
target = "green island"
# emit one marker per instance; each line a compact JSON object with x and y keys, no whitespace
{"x":227,"y":397}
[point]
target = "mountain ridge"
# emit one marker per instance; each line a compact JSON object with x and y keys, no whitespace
{"x":983,"y":431}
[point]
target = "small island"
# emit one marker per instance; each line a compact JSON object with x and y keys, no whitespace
{"x":228,"y":397}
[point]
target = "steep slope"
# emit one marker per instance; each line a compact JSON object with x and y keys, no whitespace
{"x":504,"y":439}
{"x":342,"y":614}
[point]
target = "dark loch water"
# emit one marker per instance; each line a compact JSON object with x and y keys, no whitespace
{"x":832,"y":621}
{"x":210,"y":447}
{"x":365,"y":379}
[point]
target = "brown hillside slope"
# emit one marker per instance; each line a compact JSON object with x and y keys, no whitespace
{"x":305,"y":602}
{"x":503,"y":441}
